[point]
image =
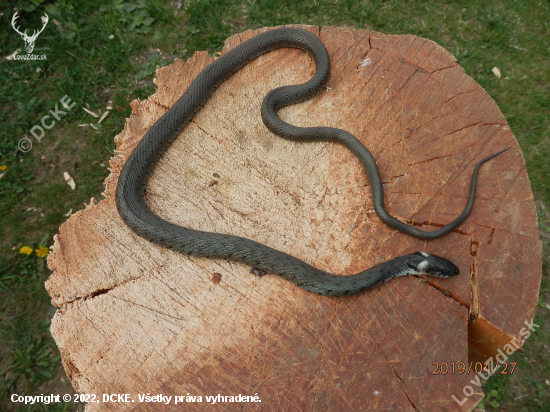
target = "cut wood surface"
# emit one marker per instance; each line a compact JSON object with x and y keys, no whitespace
{"x":137,"y":318}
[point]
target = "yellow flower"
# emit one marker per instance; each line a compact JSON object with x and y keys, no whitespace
{"x":3,"y":167}
{"x":42,"y":251}
{"x":25,"y":250}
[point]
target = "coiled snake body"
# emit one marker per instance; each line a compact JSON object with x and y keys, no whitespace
{"x":137,"y":215}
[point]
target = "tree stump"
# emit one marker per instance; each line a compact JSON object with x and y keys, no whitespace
{"x":135,"y":318}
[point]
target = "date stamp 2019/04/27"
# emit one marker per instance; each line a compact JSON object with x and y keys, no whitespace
{"x":459,"y":368}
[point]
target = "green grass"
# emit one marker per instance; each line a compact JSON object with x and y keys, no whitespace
{"x":96,"y":70}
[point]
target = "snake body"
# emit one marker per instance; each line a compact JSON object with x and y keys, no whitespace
{"x":136,"y":214}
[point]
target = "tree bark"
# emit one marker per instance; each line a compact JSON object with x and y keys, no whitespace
{"x":137,"y":318}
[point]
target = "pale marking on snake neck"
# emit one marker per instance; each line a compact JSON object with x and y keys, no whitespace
{"x":423,"y":265}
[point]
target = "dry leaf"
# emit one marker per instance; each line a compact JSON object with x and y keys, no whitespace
{"x":90,"y":112}
{"x":59,"y":25}
{"x":103,"y":116}
{"x":69,"y":180}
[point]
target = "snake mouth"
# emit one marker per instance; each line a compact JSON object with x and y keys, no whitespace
{"x":445,"y":275}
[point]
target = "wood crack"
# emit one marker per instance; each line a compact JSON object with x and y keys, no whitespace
{"x":410,"y":400}
{"x":474,"y":307}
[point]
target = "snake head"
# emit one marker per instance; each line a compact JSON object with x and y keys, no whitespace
{"x":426,"y":264}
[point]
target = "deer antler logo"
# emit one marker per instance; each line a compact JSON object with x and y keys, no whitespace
{"x":29,"y":40}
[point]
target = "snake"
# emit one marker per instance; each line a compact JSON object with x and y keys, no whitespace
{"x":135,"y":213}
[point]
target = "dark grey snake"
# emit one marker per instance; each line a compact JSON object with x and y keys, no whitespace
{"x":137,"y":215}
